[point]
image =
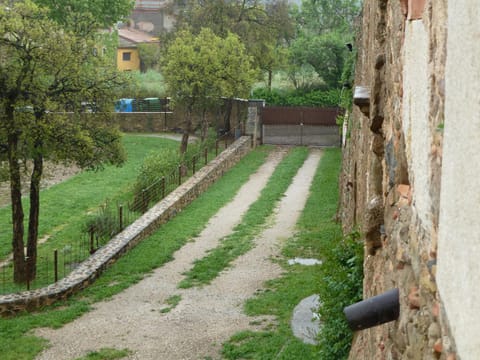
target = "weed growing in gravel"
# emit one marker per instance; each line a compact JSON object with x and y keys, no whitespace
{"x":241,"y":239}
{"x":151,"y":253}
{"x":173,"y":302}
{"x":106,"y":354}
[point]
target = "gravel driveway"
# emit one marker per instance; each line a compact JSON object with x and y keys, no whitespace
{"x":206,"y":316}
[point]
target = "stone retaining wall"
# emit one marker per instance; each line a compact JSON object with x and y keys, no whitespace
{"x":89,"y":270}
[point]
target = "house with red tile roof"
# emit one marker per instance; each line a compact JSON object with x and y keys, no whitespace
{"x":128,"y":57}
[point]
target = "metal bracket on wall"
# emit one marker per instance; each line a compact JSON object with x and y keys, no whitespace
{"x":361,"y":98}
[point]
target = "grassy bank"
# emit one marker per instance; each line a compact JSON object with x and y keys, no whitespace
{"x":337,"y":281}
{"x":66,"y":204}
{"x":18,"y":343}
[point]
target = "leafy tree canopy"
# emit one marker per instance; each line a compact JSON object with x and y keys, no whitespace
{"x":44,"y":70}
{"x":262,"y":26}
{"x":200,"y":69}
{"x":92,"y":13}
{"x":149,"y":55}
{"x":204,"y":67}
{"x":322,"y":16}
{"x":323,"y":29}
{"x":326,"y":53}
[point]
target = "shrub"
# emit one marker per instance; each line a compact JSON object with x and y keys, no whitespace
{"x":342,"y":274}
{"x":321,"y":98}
{"x":155,"y":166}
{"x":142,"y":85}
{"x":104,"y":224}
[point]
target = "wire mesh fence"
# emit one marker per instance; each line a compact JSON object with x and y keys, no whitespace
{"x":109,"y":220}
{"x":50,"y":267}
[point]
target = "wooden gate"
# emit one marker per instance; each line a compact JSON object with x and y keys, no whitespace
{"x":300,"y":126}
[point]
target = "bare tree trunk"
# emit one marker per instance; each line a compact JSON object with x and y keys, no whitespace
{"x":270,"y":77}
{"x":204,"y":125}
{"x":186,"y":132}
{"x":184,"y":142}
{"x":34,"y":216}
{"x":293,"y":78}
{"x":19,"y":274}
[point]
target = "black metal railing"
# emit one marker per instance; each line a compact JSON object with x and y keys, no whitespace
{"x":111,"y":219}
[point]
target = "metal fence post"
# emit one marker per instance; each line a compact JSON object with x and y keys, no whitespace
{"x":3,"y":278}
{"x":165,"y":115}
{"x":194,"y":159}
{"x":120,"y":216}
{"x":206,"y":155}
{"x":163,"y":186}
{"x":27,"y":268}
{"x":55,"y":264}
{"x":179,"y":174}
{"x":46,"y":266}
{"x":92,"y":233}
{"x":144,"y":201}
{"x":301,"y":133}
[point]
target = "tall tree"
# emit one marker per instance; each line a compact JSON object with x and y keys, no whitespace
{"x":262,"y":26}
{"x":45,"y":68}
{"x":87,"y":15}
{"x":326,"y":54}
{"x":149,"y":56}
{"x":323,"y":29}
{"x":199,"y":69}
{"x":323,"y":16}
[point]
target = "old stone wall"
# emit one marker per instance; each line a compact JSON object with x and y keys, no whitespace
{"x":392,"y":174}
{"x":175,"y":121}
{"x":88,"y":271}
{"x":145,"y":122}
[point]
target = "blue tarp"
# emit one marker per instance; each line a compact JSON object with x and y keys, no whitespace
{"x":123,"y":105}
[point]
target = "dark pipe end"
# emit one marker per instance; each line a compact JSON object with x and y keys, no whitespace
{"x":374,"y":311}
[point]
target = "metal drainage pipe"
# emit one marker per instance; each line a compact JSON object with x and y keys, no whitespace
{"x":374,"y":311}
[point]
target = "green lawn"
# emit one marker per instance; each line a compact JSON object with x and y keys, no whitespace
{"x":18,"y":343}
{"x":65,"y":206}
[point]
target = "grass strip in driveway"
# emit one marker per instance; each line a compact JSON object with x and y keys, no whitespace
{"x":318,"y":237}
{"x":241,"y":239}
{"x":18,"y":344}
